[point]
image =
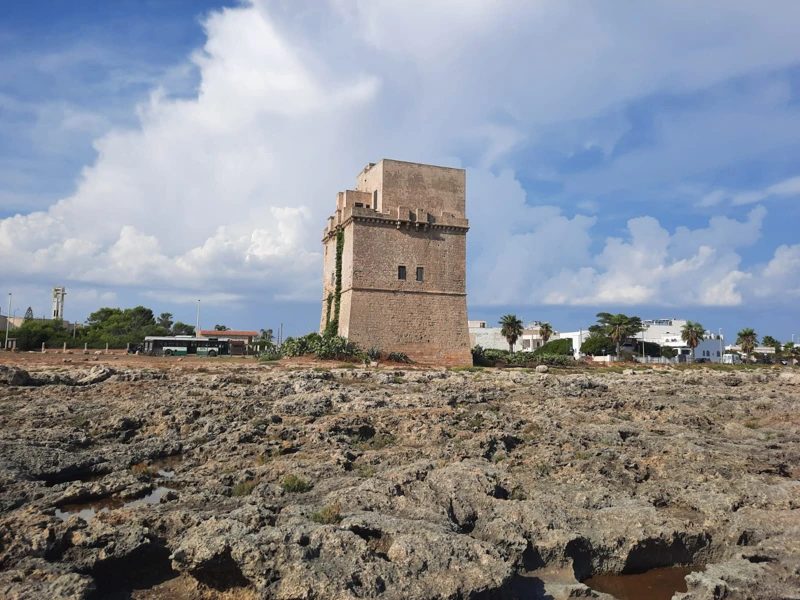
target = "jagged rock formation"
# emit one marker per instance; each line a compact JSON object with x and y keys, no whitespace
{"x":233,"y":480}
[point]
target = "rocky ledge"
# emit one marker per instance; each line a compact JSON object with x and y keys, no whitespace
{"x":232,"y":480}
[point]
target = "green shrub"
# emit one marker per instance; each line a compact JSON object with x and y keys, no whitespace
{"x":559,"y":347}
{"x":554,"y":360}
{"x":398,"y":357}
{"x":376,"y":442}
{"x":270,"y":357}
{"x":374,"y":354}
{"x":327,"y":515}
{"x":295,"y":485}
{"x":243,"y":489}
{"x":494,"y":358}
{"x":324,"y":347}
{"x":336,"y":346}
{"x":477,"y":355}
{"x":598,"y":345}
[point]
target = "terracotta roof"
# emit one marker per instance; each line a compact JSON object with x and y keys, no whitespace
{"x":215,"y":333}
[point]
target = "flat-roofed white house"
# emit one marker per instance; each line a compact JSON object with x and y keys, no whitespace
{"x":491,"y":337}
{"x":667,"y":332}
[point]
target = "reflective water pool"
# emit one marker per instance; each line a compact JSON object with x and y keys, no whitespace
{"x":655,"y":584}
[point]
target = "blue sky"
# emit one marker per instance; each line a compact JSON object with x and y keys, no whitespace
{"x":636,"y":159}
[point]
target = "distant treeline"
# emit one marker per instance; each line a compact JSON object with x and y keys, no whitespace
{"x":113,"y":326}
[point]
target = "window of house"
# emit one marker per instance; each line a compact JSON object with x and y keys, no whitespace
{"x":401,"y":272}
{"x":717,"y":352}
{"x":420,"y":273}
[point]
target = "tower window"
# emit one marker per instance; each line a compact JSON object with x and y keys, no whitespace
{"x":420,"y":273}
{"x":375,"y":199}
{"x":401,"y":272}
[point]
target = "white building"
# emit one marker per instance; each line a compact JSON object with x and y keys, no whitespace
{"x":577,"y":337}
{"x":756,"y":350}
{"x":59,"y":292}
{"x":667,"y":332}
{"x":491,"y":337}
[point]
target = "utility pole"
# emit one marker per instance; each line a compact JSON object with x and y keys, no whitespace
{"x":280,"y":336}
{"x":720,"y":345}
{"x":197,"y":325}
{"x":7,"y":319}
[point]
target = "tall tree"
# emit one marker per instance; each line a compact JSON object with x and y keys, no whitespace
{"x":598,"y":345}
{"x":165,"y":320}
{"x":182,"y":329}
{"x":747,"y":339}
{"x":618,"y":328}
{"x":511,"y":330}
{"x":266,"y":339}
{"x":692,"y":334}
{"x":770,"y":341}
{"x":545,"y":332}
{"x":28,"y":314}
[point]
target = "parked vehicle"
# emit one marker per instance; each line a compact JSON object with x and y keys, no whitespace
{"x":181,"y":345}
{"x":702,"y":360}
{"x":731,"y":359}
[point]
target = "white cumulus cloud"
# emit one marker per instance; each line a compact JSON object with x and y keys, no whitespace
{"x":228,"y":191}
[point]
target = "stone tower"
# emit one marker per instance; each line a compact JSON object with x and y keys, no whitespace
{"x":395,"y":263}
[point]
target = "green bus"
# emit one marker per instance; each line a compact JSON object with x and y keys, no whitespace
{"x":181,"y":345}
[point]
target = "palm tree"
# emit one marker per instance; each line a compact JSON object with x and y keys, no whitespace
{"x":545,"y":332}
{"x":617,"y":328}
{"x":794,"y":352}
{"x":770,"y":341}
{"x":221,"y":328}
{"x":266,"y":339}
{"x":692,"y":333}
{"x":511,"y":330}
{"x":747,"y":340}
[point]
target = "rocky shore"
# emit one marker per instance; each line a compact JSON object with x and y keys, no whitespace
{"x":233,"y":480}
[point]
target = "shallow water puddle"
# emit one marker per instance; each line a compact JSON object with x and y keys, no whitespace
{"x":655,"y":584}
{"x":166,"y":466}
{"x":89,"y":510}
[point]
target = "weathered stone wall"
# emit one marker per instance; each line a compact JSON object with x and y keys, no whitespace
{"x":379,"y":248}
{"x":424,"y":326}
{"x":436,"y":189}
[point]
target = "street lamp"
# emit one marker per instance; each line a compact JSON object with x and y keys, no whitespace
{"x":197,"y":325}
{"x":8,"y":315}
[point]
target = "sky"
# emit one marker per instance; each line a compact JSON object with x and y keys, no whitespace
{"x":623,"y":157}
